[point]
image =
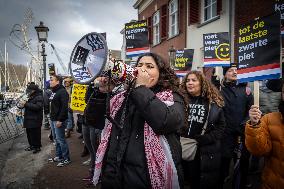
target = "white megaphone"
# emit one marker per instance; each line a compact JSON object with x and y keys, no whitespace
{"x":89,"y":59}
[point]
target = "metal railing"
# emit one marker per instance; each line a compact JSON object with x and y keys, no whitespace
{"x":9,"y":126}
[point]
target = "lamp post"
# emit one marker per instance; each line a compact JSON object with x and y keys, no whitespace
{"x":42,"y":33}
{"x":172,"y":56}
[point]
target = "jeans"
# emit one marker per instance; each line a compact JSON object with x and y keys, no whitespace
{"x":91,"y":137}
{"x":62,"y":149}
{"x":70,"y":120}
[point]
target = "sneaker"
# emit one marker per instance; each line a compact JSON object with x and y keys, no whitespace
{"x":63,"y":163}
{"x":56,"y":159}
{"x":89,"y":184}
{"x":67,"y":134}
{"x":88,"y":178}
{"x":30,"y":148}
{"x":87,"y":162}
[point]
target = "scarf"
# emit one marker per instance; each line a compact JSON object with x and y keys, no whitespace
{"x":162,"y":170}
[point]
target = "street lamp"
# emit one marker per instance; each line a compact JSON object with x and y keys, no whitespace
{"x":172,"y":56}
{"x":42,"y":33}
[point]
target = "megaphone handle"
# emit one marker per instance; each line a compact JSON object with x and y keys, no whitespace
{"x":107,"y":116}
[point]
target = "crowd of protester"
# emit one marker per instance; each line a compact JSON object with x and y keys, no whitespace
{"x":162,"y":133}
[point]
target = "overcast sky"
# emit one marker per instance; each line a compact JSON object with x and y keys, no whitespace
{"x":68,"y":21}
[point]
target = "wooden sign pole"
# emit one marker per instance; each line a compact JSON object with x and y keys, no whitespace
{"x":256,"y":92}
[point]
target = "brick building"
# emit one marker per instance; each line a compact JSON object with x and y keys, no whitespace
{"x":182,"y":23}
{"x":167,"y":24}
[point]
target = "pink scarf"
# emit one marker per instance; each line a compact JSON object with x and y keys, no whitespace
{"x":162,"y":170}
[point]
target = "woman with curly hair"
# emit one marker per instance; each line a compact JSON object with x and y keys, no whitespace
{"x":206,"y":124}
{"x":140,"y":148}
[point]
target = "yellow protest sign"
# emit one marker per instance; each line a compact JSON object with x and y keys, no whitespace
{"x":78,"y":97}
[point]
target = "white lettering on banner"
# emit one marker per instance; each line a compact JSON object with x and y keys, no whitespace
{"x":135,"y":30}
{"x":280,"y":8}
{"x":250,"y":46}
{"x":213,"y":36}
{"x":196,"y":113}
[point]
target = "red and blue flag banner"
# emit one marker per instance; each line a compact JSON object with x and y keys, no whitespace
{"x":136,"y":35}
{"x":181,"y":73}
{"x":258,"y":49}
{"x":216,"y":49}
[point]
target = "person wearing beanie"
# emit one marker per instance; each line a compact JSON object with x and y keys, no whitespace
{"x":265,"y":137}
{"x":33,"y":117}
{"x":238,"y":100}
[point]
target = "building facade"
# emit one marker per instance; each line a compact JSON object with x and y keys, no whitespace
{"x":166,"y":21}
{"x":205,"y":16}
{"x":182,"y":23}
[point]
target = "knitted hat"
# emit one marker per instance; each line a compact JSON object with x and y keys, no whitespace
{"x":275,"y":85}
{"x":225,"y":69}
{"x":32,"y":87}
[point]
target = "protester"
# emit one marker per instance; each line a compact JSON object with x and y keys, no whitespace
{"x":94,"y":121}
{"x":33,"y":117}
{"x":70,"y":122}
{"x":238,"y":99}
{"x":264,"y":137}
{"x":268,"y":102}
{"x":46,"y":108}
{"x":205,"y":113}
{"x":139,"y":147}
{"x":59,"y":115}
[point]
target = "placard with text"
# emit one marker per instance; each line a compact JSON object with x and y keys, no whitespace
{"x":258,"y":49}
{"x":136,"y":36}
{"x":216,"y":49}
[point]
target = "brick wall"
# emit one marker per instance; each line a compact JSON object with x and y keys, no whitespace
{"x":179,"y":42}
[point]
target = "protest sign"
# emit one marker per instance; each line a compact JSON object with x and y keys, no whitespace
{"x":183,"y":61}
{"x":279,"y":7}
{"x":258,"y":49}
{"x":136,"y":35}
{"x":51,"y":69}
{"x":78,"y":97}
{"x":216,"y":49}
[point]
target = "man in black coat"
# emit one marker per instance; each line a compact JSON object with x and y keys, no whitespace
{"x":33,"y":117}
{"x":58,"y":116}
{"x":238,"y":100}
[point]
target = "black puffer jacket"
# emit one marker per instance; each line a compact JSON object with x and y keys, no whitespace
{"x":209,"y":148}
{"x":95,"y":110}
{"x":238,"y":100}
{"x":34,"y":111}
{"x":59,"y":104}
{"x":125,"y":164}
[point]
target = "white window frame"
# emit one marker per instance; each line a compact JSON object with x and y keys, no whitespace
{"x":156,"y":28}
{"x":173,"y":18}
{"x":209,"y":6}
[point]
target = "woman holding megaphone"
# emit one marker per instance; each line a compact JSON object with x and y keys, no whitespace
{"x":140,"y":147}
